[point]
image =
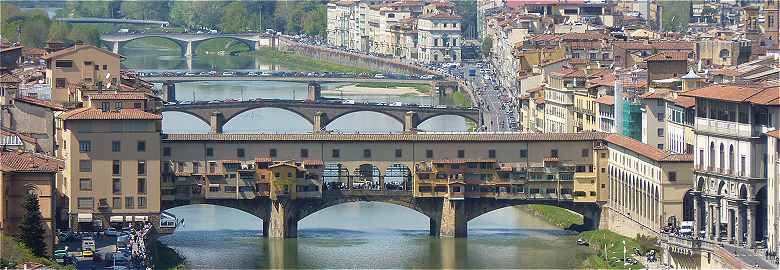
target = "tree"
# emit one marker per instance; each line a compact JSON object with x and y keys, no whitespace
{"x":145,"y":10}
{"x":31,"y":229}
{"x":235,"y":18}
{"x":315,"y":21}
{"x":59,"y":31}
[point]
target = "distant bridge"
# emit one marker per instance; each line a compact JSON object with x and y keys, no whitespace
{"x":189,"y":42}
{"x":110,"y":20}
{"x":178,"y":79}
{"x":319,"y":114}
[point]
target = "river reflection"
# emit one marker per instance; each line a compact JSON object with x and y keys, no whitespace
{"x":370,"y":235}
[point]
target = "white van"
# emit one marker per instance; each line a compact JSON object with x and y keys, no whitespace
{"x":686,"y":227}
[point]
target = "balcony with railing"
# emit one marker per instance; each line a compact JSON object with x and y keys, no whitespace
{"x":728,"y":128}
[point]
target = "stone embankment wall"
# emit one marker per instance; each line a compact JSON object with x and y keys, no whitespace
{"x":350,"y":59}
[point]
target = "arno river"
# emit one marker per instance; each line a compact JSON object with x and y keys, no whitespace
{"x":352,"y":235}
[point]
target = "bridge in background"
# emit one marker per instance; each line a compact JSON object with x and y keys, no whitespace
{"x":110,"y":20}
{"x":178,"y":79}
{"x":189,"y":42}
{"x":318,"y":113}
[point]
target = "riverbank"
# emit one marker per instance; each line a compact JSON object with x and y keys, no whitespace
{"x":13,"y":254}
{"x":371,"y":89}
{"x":167,"y":258}
{"x":460,"y":99}
{"x":614,"y":243}
{"x":299,"y":63}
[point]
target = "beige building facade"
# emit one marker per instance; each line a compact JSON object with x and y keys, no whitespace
{"x":68,"y":68}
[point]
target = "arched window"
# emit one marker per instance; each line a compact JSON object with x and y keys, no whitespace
{"x":731,"y":159}
{"x":712,"y":156}
{"x":722,"y":156}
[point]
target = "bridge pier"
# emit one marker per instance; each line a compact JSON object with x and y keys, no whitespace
{"x":216,"y":121}
{"x":320,"y":122}
{"x":449,"y":218}
{"x":314,"y":92}
{"x":188,"y":49}
{"x":115,"y":47}
{"x":284,"y":222}
{"x":170,"y":91}
{"x":411,"y":120}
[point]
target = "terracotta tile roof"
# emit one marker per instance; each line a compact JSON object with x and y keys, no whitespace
{"x":579,"y":61}
{"x":97,"y":114}
{"x":738,"y":93}
{"x":545,"y":37}
{"x":22,"y":136}
{"x":606,"y":79}
{"x":263,"y":159}
{"x":313,"y":162}
{"x":583,"y":36}
{"x":646,"y":150}
{"x":608,"y":100}
{"x":21,"y":162}
{"x":668,"y":56}
{"x":9,"y":78}
{"x":685,"y":101}
{"x":656,"y":94}
{"x":441,"y":16}
{"x":570,"y":73}
{"x":119,"y":95}
{"x":42,"y":103}
{"x":774,"y":133}
{"x":661,"y":45}
{"x":76,"y":48}
{"x":395,"y":137}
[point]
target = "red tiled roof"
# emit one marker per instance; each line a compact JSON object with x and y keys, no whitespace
{"x":313,"y":162}
{"x":24,"y":137}
{"x":76,"y":48}
{"x":9,"y":78}
{"x":263,"y":159}
{"x":402,"y":137}
{"x":441,"y":16}
{"x":457,"y":161}
{"x":739,"y":93}
{"x":20,"y":161}
{"x":39,"y":102}
{"x":661,"y":45}
{"x":668,"y":56}
{"x":606,"y":79}
{"x":608,"y":100}
{"x":685,"y":101}
{"x":545,"y":37}
{"x":122,"y":96}
{"x":583,"y":36}
{"x":570,"y":73}
{"x":97,"y":114}
{"x":774,"y":133}
{"x":646,"y":150}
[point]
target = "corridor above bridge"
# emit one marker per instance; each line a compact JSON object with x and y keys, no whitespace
{"x":318,"y":113}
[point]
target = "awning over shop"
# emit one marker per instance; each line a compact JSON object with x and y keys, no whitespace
{"x":117,"y":219}
{"x":213,"y":185}
{"x":141,"y":218}
{"x":128,"y":218}
{"x":84,"y":217}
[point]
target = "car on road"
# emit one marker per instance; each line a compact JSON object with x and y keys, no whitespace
{"x":111,"y":232}
{"x":264,"y":74}
{"x":440,"y":106}
{"x":87,"y":253}
{"x":396,"y":104}
{"x":189,"y":74}
{"x":251,"y":73}
{"x":61,"y":256}
{"x":228,"y":73}
{"x":348,"y":101}
{"x":379,"y":76}
{"x":88,"y":244}
{"x":381,"y":103}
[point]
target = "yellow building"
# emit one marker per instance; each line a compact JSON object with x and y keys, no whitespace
{"x":112,"y":166}
{"x":22,"y":173}
{"x":290,"y":180}
{"x":69,"y":68}
{"x":585,"y":110}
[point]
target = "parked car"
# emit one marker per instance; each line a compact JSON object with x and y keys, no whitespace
{"x":88,"y":244}
{"x":87,"y":253}
{"x":111,"y":232}
{"x":348,"y":101}
{"x":228,"y":73}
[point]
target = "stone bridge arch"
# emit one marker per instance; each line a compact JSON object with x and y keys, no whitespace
{"x":252,"y":44}
{"x":257,"y":207}
{"x":329,"y":118}
{"x":115,"y":45}
{"x":200,"y":117}
{"x":308,"y":118}
{"x":590,"y":212}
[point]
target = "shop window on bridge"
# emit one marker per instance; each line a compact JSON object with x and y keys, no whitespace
{"x":454,"y":166}
{"x":487,"y":189}
{"x":367,"y":153}
{"x":581,"y":168}
{"x":440,"y":189}
{"x":566,"y":176}
{"x":534,"y":191}
{"x":214,"y":189}
{"x":441,"y":176}
{"x":550,"y":177}
{"x":536,"y":176}
{"x":580,"y":194}
{"x":565,"y":191}
{"x":471,"y":165}
{"x":523,"y":153}
{"x":485,"y":177}
{"x":550,"y":191}
{"x":456,"y":189}
{"x":592,"y":193}
{"x":230,"y":189}
{"x":425,"y":189}
{"x":472,"y":188}
{"x":209,"y":152}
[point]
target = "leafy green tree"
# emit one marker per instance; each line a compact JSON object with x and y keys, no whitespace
{"x":235,"y":18}
{"x":315,"y":21}
{"x":146,"y":10}
{"x":59,"y":31}
{"x":8,"y":11}
{"x":88,"y":34}
{"x":195,"y":14}
{"x":31,"y":229}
